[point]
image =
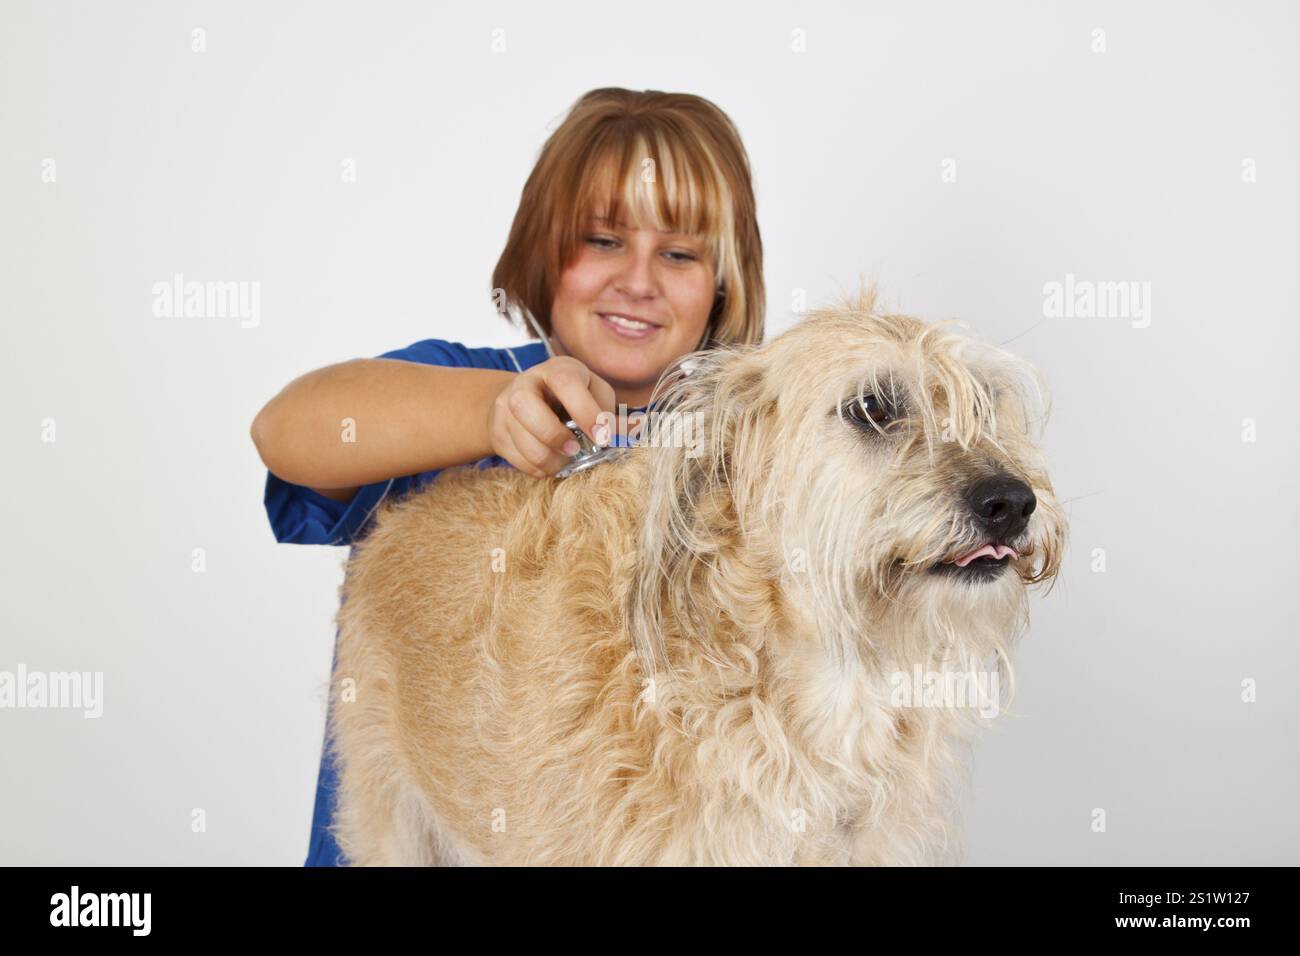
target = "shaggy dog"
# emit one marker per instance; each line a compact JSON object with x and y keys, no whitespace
{"x":706,"y":651}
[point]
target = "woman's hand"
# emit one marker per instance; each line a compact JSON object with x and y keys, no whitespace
{"x":526,"y":421}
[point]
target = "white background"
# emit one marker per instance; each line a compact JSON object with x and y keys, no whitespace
{"x":1124,"y":165}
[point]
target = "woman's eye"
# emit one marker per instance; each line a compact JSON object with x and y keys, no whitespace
{"x":605,"y":242}
{"x":869,"y":410}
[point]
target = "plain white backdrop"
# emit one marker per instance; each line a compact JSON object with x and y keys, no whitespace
{"x":1161,"y":149}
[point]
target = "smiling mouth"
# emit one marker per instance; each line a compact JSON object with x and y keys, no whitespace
{"x":979,"y":564}
{"x":626,"y":326}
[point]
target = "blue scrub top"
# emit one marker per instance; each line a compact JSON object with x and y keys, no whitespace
{"x":299,"y":515}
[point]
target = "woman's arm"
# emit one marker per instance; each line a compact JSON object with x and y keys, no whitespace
{"x":407,"y":418}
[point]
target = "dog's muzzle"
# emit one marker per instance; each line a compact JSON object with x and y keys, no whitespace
{"x":1001,"y":507}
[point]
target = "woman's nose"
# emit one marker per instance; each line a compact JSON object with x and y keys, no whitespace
{"x":636,"y":278}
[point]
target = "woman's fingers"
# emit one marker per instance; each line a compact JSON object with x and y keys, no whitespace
{"x":505,"y":447}
{"x":584,"y":395}
{"x":526,"y":421}
{"x":540,"y":459}
{"x":531,"y":411}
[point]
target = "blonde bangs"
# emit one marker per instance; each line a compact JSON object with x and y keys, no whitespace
{"x":650,"y":185}
{"x":671,"y":162}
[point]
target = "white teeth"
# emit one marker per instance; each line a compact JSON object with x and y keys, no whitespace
{"x":629,"y":323}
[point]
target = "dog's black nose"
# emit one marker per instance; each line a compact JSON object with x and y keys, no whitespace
{"x":1002,"y":506}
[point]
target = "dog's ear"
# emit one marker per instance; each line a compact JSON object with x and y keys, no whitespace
{"x":702,"y":424}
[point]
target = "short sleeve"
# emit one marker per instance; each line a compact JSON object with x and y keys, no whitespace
{"x":299,"y":515}
{"x":456,"y":355}
{"x":433,"y":352}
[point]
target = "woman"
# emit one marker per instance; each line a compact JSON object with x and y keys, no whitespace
{"x":635,"y":242}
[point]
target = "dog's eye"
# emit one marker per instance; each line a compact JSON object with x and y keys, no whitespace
{"x":869,"y":411}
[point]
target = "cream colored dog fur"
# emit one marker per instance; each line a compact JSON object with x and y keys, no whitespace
{"x":691,"y":655}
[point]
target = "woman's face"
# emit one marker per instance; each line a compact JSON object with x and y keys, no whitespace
{"x":664,"y":280}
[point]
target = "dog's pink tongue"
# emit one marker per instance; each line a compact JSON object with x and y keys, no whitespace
{"x":999,"y":552}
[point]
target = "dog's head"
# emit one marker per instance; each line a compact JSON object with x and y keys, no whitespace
{"x":874,"y":464}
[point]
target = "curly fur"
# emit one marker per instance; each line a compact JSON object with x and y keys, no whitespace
{"x":684,"y":656}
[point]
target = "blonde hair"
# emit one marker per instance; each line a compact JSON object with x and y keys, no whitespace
{"x":598,"y":160}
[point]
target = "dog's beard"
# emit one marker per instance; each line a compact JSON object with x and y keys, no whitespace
{"x":894,"y":538}
{"x":888,"y":582}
